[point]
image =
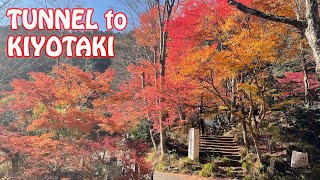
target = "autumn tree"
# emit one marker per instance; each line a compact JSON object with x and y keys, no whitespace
{"x":294,"y":85}
{"x":165,"y":13}
{"x":41,"y":156}
{"x":308,"y":25}
{"x":236,"y":74}
{"x":153,"y":33}
{"x":57,"y":115}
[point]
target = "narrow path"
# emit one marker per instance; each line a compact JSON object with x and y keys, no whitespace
{"x":170,"y":176}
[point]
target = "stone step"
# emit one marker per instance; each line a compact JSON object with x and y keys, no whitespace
{"x":214,"y":145}
{"x":219,"y":143}
{"x":237,"y":173}
{"x":236,"y":176}
{"x":218,"y":137}
{"x":234,"y":160}
{"x":219,"y":153}
{"x":218,"y":140}
{"x":230,"y":146}
{"x":230,"y":163}
{"x":237,"y":170}
{"x":222,"y":145}
{"x":233,"y":168}
{"x":220,"y":150}
{"x":232,"y":157}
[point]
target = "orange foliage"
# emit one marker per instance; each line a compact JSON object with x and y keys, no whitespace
{"x":148,"y":34}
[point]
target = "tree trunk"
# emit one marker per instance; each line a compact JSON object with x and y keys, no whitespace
{"x":15,"y":164}
{"x":182,"y":116}
{"x":245,"y":134}
{"x":243,"y":120}
{"x":155,"y":62}
{"x":148,"y":115}
{"x":233,"y":98}
{"x":161,"y":119}
{"x":255,"y":137}
{"x":163,"y":46}
{"x":164,"y":17}
{"x":162,"y":136}
{"x":312,"y":32}
{"x":136,"y":171}
{"x":307,"y":95}
{"x":256,"y":145}
{"x":152,"y":138}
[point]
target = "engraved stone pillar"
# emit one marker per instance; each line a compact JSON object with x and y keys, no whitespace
{"x":193,"y":149}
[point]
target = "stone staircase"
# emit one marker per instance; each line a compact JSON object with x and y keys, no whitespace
{"x":225,"y":147}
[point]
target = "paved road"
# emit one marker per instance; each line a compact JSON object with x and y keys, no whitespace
{"x":169,"y":176}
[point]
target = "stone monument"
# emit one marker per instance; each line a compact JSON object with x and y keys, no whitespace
{"x":299,"y":159}
{"x":193,"y":149}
